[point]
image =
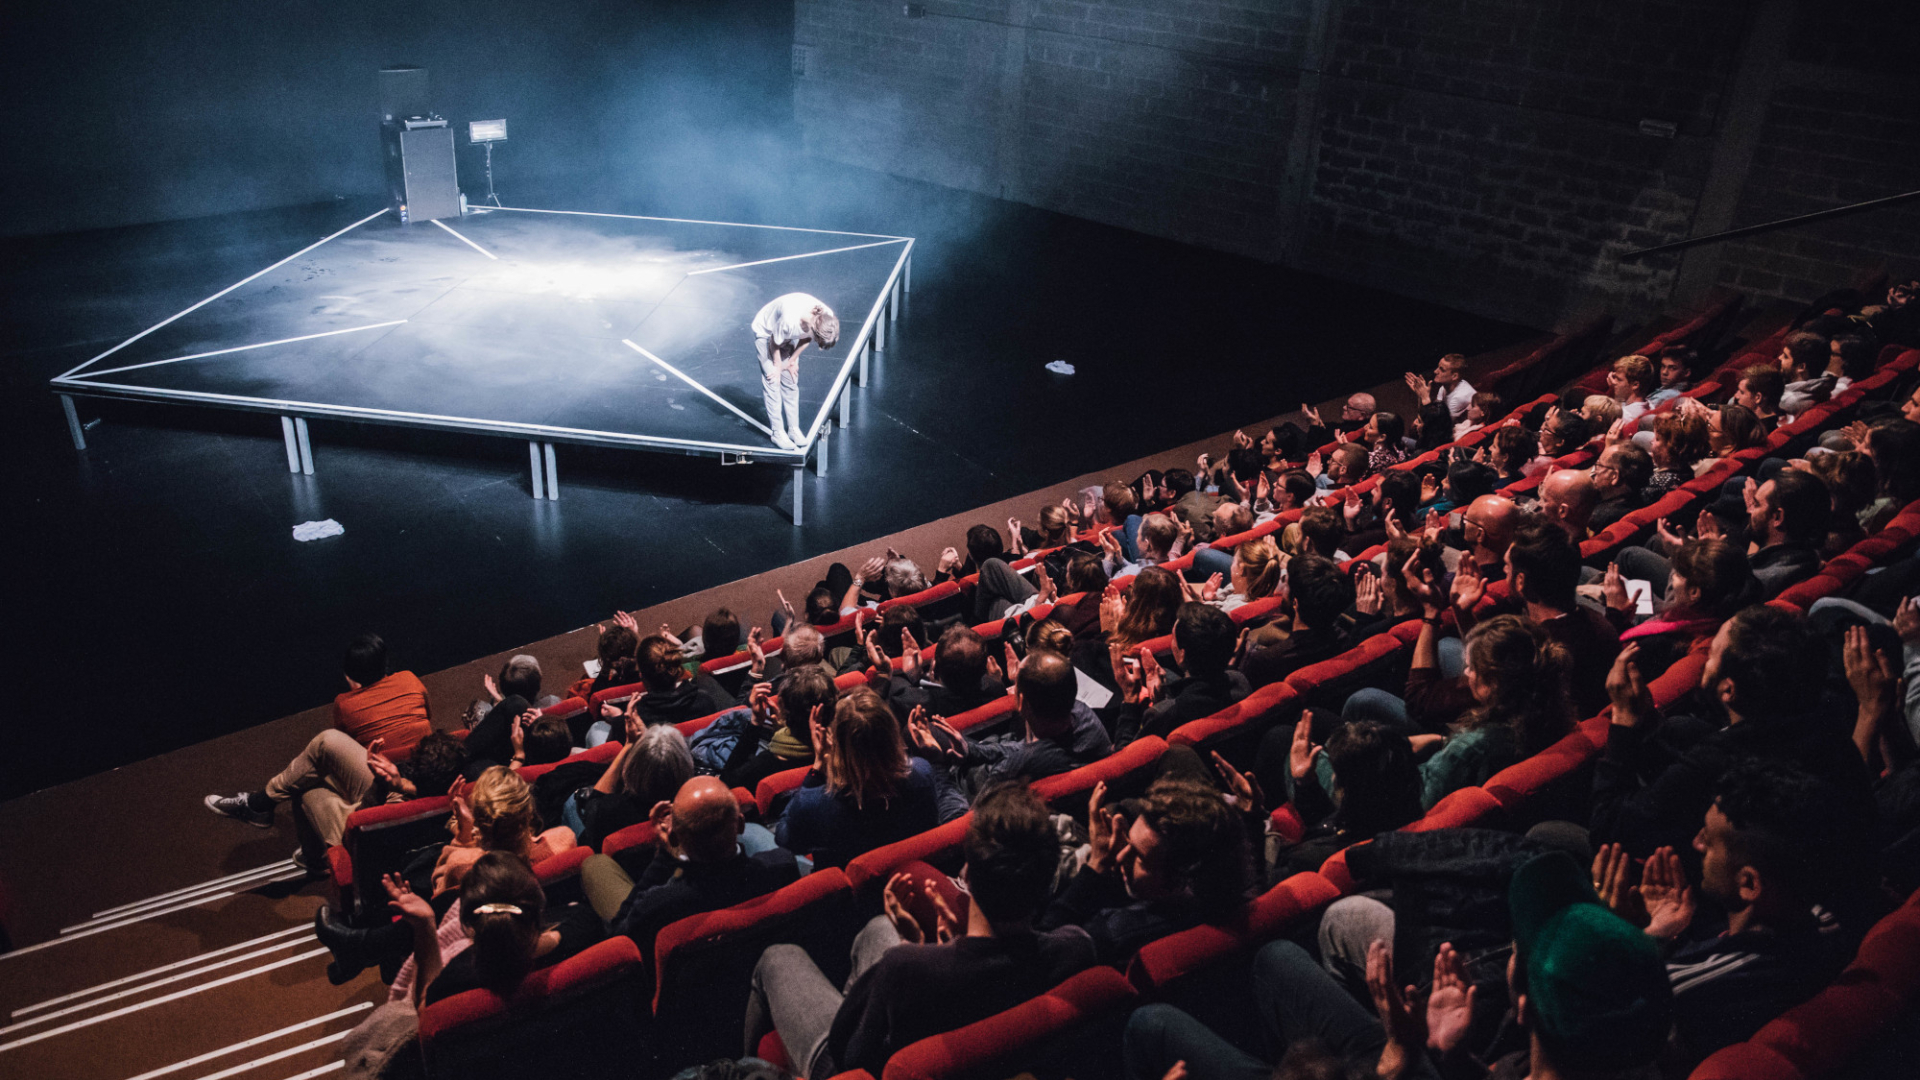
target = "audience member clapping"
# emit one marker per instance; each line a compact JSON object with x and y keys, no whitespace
{"x":864,"y":789}
{"x":704,"y":857}
{"x":1154,"y":702}
{"x":1054,"y":733}
{"x":1177,"y":858}
{"x":912,"y":977}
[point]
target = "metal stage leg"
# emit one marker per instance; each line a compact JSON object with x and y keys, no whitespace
{"x":553,"y":476}
{"x":880,"y":332}
{"x":865,"y":350}
{"x":306,"y":447}
{"x":846,"y":405}
{"x":820,"y":451}
{"x":293,"y":444}
{"x":539,"y":478}
{"x":799,"y":494}
{"x":73,"y":422}
{"x":909,"y":275}
{"x":893,"y":304}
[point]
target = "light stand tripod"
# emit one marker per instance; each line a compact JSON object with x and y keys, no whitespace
{"x":491,"y":197}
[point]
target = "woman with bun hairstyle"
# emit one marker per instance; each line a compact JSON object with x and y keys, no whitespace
{"x":502,"y":937}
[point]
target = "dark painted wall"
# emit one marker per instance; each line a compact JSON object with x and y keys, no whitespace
{"x":120,"y":111}
{"x":1487,"y":154}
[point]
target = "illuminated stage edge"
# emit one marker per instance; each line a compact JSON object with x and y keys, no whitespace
{"x":95,"y":379}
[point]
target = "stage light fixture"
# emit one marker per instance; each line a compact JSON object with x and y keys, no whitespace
{"x":486,"y":133}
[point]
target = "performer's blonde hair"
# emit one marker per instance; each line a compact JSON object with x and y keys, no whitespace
{"x":826,"y":327}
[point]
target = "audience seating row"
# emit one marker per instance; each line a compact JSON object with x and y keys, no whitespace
{"x":702,"y":963}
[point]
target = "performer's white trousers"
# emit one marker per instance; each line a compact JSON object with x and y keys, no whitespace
{"x":779,"y":388}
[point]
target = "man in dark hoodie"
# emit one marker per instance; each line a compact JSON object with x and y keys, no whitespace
{"x":1203,"y":643}
{"x":1764,"y":676}
{"x":1058,"y":733}
{"x":961,"y":679}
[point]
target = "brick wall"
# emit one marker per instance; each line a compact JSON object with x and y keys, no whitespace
{"x":1840,"y":128}
{"x":1487,"y":154}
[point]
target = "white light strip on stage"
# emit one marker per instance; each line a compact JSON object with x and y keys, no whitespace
{"x":162,"y":1000}
{"x":278,"y":1055}
{"x":240,"y":348}
{"x":253,"y":1042}
{"x":188,"y":962}
{"x":143,"y":988}
{"x":787,"y":258}
{"x":464,"y":423}
{"x":728,"y":405}
{"x":466,"y":241}
{"x":269,"y":868}
{"x":224,"y":292}
{"x":693,"y":221}
{"x":331,"y":1066}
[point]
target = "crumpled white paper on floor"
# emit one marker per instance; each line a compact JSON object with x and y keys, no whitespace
{"x":314,"y":530}
{"x":1060,"y":367}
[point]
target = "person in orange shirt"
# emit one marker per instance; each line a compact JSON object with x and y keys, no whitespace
{"x":378,"y":705}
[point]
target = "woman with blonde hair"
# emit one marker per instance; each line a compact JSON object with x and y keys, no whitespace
{"x":1258,"y":570}
{"x":496,"y":815}
{"x":1056,"y":530}
{"x":864,"y":791}
{"x":1601,"y":412}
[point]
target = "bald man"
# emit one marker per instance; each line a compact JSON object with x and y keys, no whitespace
{"x":1354,"y":414}
{"x":1488,"y":526}
{"x":1567,"y":499}
{"x":697,"y":865}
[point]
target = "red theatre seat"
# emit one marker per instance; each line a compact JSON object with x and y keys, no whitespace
{"x":703,"y":964}
{"x":578,"y":1018}
{"x":1003,"y":1044}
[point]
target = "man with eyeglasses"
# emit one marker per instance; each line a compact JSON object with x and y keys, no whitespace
{"x":1354,"y":414}
{"x":1619,"y":482}
{"x":1487,"y":527}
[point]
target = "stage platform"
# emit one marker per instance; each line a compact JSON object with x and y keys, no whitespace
{"x":549,"y":326}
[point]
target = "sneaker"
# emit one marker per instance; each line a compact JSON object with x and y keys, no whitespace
{"x":300,"y":861}
{"x":781,"y":440}
{"x":799,"y":437}
{"x":237,"y":806}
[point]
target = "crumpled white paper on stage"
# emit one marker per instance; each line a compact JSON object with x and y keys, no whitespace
{"x":315,"y":530}
{"x":1060,"y":367}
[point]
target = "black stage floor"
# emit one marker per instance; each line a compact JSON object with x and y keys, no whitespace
{"x":531,"y":323}
{"x":157,"y":598}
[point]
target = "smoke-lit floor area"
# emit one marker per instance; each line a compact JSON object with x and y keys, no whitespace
{"x":532,"y":323}
{"x":170,"y":603}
